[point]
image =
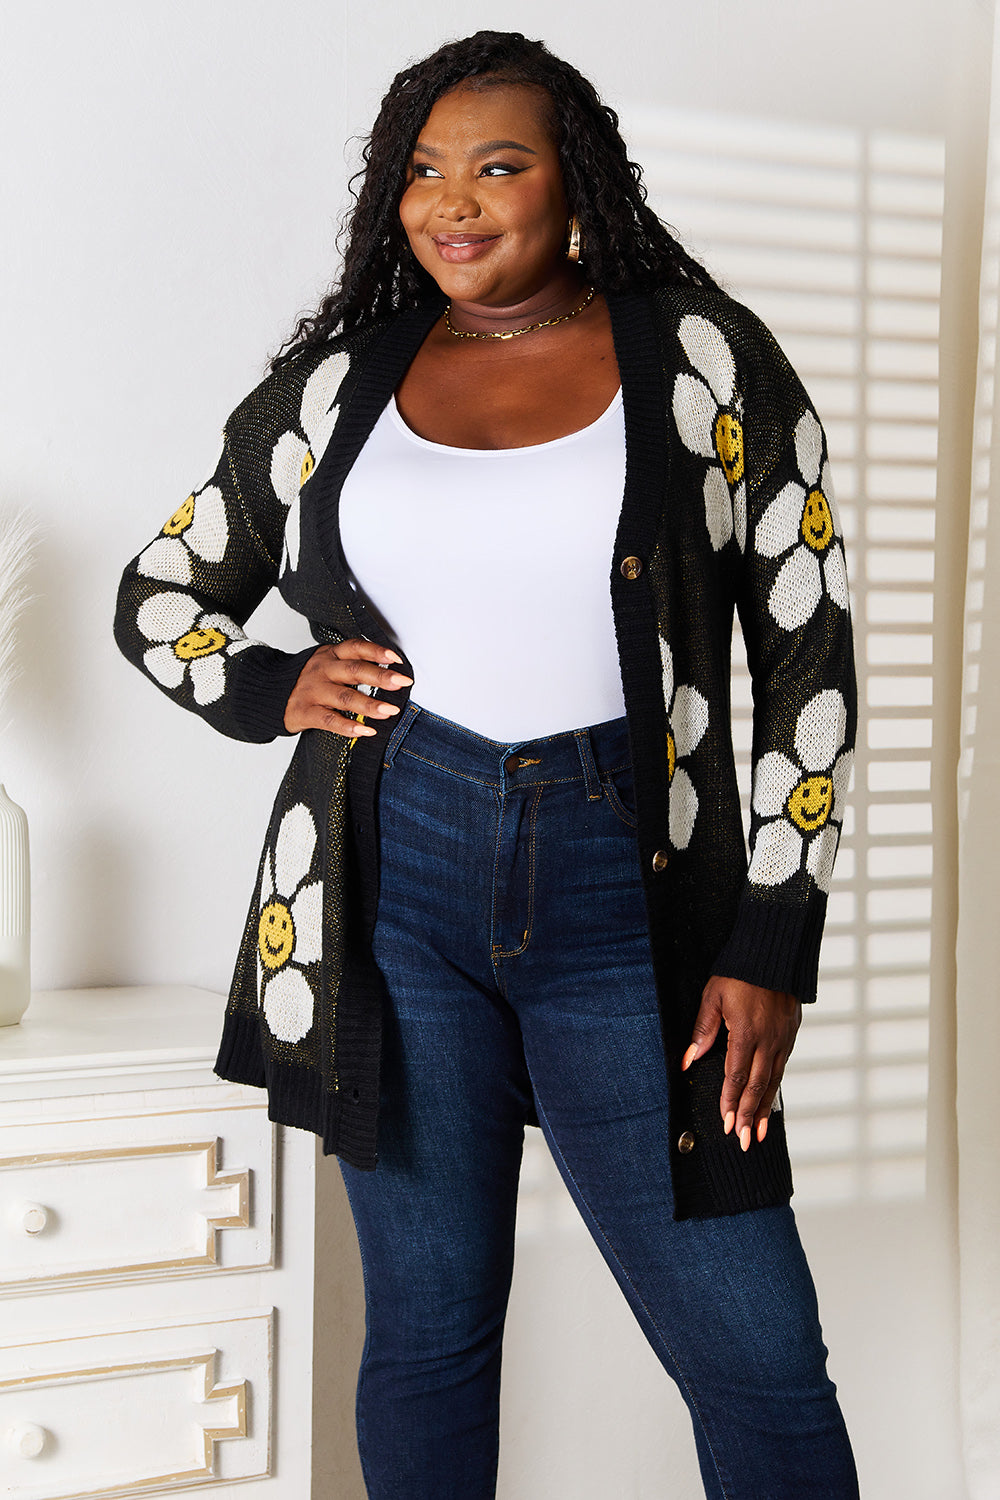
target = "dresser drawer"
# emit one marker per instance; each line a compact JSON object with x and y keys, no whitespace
{"x":118,"y":1198}
{"x":143,"y":1411}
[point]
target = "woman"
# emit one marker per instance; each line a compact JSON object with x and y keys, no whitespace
{"x":521,"y":894}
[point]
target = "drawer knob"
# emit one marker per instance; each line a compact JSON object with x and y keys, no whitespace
{"x":26,"y":1439}
{"x":32,"y":1217}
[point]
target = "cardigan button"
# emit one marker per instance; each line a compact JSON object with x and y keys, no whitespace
{"x":630,"y":568}
{"x":685,"y":1144}
{"x":660,"y":860}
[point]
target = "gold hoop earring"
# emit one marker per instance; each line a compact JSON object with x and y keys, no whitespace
{"x":575,"y":245}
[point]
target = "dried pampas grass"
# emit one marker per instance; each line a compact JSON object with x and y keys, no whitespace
{"x":18,"y":538}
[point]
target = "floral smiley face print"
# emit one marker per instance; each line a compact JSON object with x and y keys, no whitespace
{"x":800,"y":529}
{"x":196,"y":532}
{"x":801,"y":798}
{"x":181,"y":518}
{"x":687,"y":721}
{"x":296,"y":453}
{"x":201,"y":642}
{"x":728,"y":439}
{"x":188,"y":646}
{"x":708,"y":411}
{"x":275,"y":935}
{"x":817,"y":522}
{"x":811,"y":803}
{"x":289,"y":927}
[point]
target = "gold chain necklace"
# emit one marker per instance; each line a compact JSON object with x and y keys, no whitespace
{"x":513,"y":333}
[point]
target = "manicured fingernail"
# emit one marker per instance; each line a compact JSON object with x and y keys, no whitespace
{"x":745,"y":1138}
{"x":730,"y":1121}
{"x":690,"y":1055}
{"x":761,"y":1130}
{"x":391,"y":656}
{"x":386,"y":709}
{"x":398,"y":680}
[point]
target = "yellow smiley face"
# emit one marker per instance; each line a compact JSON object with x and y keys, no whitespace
{"x":671,"y":756}
{"x":729,"y":446}
{"x":181,"y":518}
{"x":817,"y":522}
{"x":308,"y":464}
{"x":199,"y":643}
{"x":275,"y":935}
{"x":811,"y":803}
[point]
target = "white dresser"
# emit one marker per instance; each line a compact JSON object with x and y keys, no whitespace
{"x":156,"y":1310}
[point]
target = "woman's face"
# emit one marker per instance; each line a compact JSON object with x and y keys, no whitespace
{"x":484,"y":208}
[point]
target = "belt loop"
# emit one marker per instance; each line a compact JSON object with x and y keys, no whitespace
{"x":406,"y":718}
{"x":590,"y":775}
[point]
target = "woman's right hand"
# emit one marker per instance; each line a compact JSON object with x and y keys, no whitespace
{"x":325,"y":692}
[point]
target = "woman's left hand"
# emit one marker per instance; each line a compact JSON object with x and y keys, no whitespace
{"x":762,"y":1026}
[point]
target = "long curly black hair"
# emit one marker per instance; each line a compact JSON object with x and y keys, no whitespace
{"x":626,"y":246}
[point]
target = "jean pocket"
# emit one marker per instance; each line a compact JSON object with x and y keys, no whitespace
{"x":620,"y":792}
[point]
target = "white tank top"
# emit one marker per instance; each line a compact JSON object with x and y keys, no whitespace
{"x":491,"y":569}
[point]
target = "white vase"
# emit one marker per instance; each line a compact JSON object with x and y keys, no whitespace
{"x":15,"y":913}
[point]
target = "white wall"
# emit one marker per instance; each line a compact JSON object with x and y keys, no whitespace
{"x":173,"y":173}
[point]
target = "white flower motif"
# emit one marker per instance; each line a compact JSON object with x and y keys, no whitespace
{"x":293,"y":459}
{"x":709,"y":417}
{"x":687,"y":720}
{"x":289,"y":928}
{"x":199,"y":527}
{"x":802,"y":526}
{"x":803,"y":799}
{"x":189,"y":644}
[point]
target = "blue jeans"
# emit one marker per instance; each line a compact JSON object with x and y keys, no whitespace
{"x":512,"y":936}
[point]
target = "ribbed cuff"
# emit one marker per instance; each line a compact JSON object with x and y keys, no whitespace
{"x":261,"y":680}
{"x":240,"y":1059}
{"x":775,"y":945}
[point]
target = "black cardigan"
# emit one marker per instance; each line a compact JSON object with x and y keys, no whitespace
{"x":727,"y":503}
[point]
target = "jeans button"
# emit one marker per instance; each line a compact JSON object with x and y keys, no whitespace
{"x":685,"y":1144}
{"x":660,"y":860}
{"x":511,"y":763}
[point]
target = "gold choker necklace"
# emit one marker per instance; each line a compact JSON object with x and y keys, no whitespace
{"x":514,"y":333}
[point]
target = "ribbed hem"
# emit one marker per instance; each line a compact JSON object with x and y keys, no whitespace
{"x":359,"y":1048}
{"x":718,"y":1176}
{"x":240,"y":1059}
{"x":296,"y":1096}
{"x":775,"y":945}
{"x":261,"y":679}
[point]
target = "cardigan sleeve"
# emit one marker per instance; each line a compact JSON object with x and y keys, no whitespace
{"x":182,"y":605}
{"x":794,"y":608}
{"x":184,"y":600}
